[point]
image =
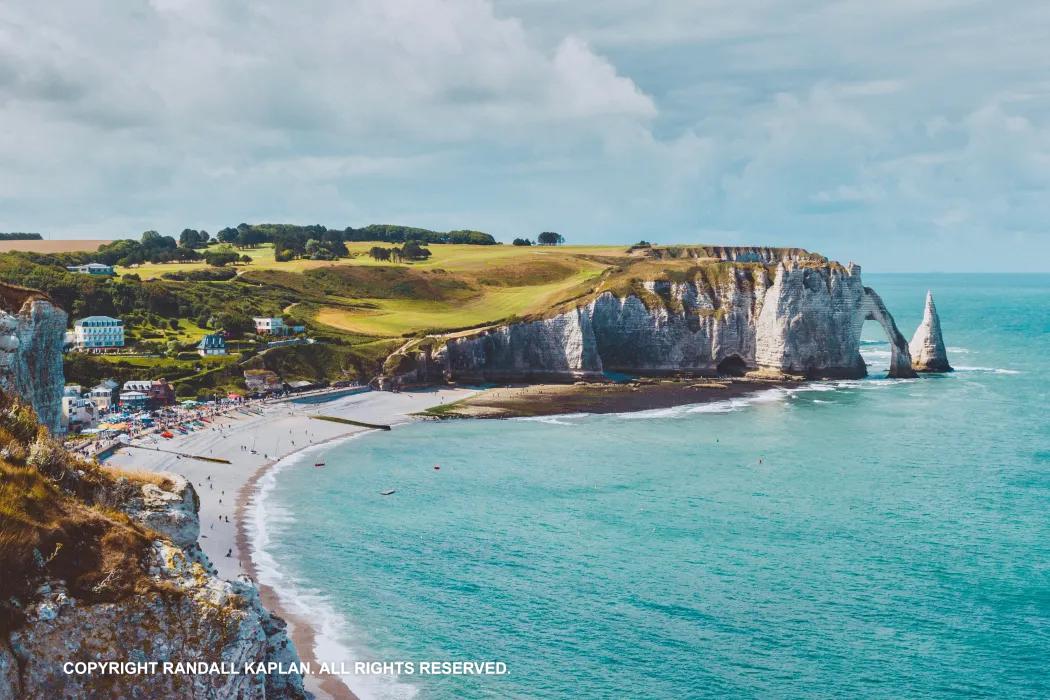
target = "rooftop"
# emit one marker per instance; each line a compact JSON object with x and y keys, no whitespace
{"x":212,"y":341}
{"x":95,"y":319}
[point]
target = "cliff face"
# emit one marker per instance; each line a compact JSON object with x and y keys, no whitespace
{"x":31,"y":338}
{"x":194,"y":617}
{"x":760,"y":309}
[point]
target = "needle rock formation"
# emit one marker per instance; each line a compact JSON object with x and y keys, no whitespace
{"x":927,"y":345}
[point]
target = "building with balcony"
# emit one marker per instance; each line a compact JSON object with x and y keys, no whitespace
{"x":98,"y":333}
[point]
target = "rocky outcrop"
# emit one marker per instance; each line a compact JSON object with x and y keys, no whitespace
{"x":32,"y":330}
{"x":811,"y":321}
{"x":927,"y":346}
{"x":795,"y":316}
{"x":195,"y":617}
{"x":171,"y":511}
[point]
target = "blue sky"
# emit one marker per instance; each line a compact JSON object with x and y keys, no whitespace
{"x":904,"y":135}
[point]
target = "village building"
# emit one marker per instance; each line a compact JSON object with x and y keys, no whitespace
{"x":98,"y":333}
{"x":104,"y":395}
{"x":134,"y":400}
{"x":269,"y":325}
{"x":157,"y":392}
{"x":214,"y":344}
{"x":91,"y":269}
{"x":262,"y":381}
{"x":275,"y":325}
{"x":78,"y":413}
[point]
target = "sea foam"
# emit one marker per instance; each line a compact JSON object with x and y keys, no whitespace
{"x":267,"y":521}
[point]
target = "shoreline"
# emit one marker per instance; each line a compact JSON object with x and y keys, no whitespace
{"x":301,"y":631}
{"x":254,"y":442}
{"x":539,"y":400}
{"x":230,"y":547}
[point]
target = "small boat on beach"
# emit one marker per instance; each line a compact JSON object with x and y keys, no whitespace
{"x":387,"y":492}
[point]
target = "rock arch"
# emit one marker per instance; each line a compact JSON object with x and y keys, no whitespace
{"x":873,"y":309}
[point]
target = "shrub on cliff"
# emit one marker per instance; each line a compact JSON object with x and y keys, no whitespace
{"x":57,"y":520}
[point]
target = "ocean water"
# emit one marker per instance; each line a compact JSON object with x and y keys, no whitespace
{"x":875,"y":538}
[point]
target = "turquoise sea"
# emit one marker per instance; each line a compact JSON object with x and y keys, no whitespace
{"x":876,"y":538}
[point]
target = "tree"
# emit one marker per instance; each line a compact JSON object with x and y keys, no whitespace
{"x":227,"y":235}
{"x":249,"y":237}
{"x":191,"y":238}
{"x":377,"y":253}
{"x":218,"y":258}
{"x":522,"y":241}
{"x":235,"y":324}
{"x":412,"y":250}
{"x":150,"y":237}
{"x":550,"y":238}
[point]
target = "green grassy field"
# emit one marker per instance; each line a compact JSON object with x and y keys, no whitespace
{"x":454,"y":258}
{"x":459,"y":286}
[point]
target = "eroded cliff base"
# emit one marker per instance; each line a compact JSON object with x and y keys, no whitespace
{"x":532,"y":400}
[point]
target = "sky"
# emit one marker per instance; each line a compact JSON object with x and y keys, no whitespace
{"x":905,"y":135}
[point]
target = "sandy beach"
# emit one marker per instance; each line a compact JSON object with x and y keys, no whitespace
{"x":273,"y":431}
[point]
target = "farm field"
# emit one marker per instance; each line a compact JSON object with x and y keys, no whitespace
{"x":70,"y":246}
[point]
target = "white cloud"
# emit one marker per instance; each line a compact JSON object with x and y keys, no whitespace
{"x":860,"y":129}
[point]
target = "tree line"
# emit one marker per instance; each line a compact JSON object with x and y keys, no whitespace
{"x":290,"y":241}
{"x":545,"y":238}
{"x":411,"y":250}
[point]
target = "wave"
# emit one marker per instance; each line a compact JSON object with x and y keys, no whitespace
{"x":725,"y":406}
{"x":993,"y":370}
{"x":962,"y":351}
{"x":267,"y":520}
{"x":561,"y":419}
{"x":774,"y":395}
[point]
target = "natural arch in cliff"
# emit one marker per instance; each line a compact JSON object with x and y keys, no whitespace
{"x":873,"y":309}
{"x":732,"y":366}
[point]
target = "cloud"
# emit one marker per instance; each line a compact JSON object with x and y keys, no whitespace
{"x":858,"y":129}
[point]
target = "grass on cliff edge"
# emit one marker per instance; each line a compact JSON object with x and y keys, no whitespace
{"x":58,"y":521}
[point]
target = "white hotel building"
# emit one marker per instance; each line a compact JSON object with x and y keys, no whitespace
{"x":98,"y":333}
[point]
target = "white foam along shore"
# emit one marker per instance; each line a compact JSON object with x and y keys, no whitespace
{"x":254,"y":440}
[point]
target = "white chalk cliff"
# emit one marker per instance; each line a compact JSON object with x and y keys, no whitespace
{"x":927,"y":346}
{"x":772,"y":312}
{"x":31,"y":337}
{"x":54,"y":611}
{"x":200,"y":618}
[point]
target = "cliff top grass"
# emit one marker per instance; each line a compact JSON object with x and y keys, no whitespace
{"x":13,"y":297}
{"x":58,"y":520}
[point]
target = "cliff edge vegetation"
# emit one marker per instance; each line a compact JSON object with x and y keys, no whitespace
{"x":103,"y":564}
